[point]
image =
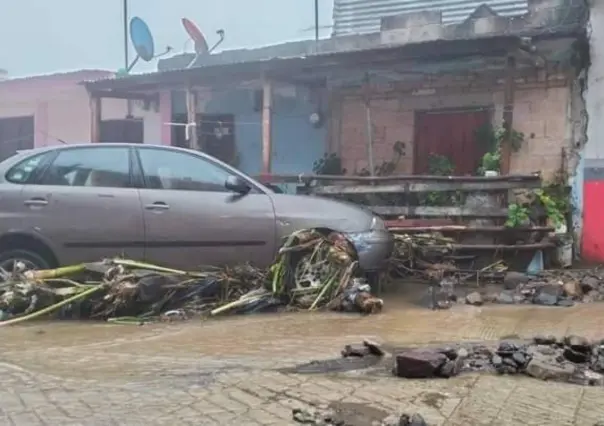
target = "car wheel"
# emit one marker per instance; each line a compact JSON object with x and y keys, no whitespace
{"x":30,"y":259}
{"x":309,"y":272}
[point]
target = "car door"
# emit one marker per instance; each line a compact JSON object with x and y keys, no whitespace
{"x":11,"y":191}
{"x":85,"y":203}
{"x":192,"y":220}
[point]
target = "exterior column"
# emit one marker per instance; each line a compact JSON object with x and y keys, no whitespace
{"x":96,"y":116}
{"x":267,"y":106}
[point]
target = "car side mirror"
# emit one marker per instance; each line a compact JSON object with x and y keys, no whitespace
{"x":236,"y":184}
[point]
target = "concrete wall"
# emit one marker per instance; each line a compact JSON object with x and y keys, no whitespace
{"x":61,"y":107}
{"x":540,"y":112}
{"x":296,"y":143}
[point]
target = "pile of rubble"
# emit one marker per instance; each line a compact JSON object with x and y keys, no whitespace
{"x":549,"y":288}
{"x":572,"y":359}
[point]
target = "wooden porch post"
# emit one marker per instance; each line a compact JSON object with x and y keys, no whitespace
{"x":508,"y":114}
{"x":267,"y":106}
{"x":96,"y":116}
{"x":191,"y":127}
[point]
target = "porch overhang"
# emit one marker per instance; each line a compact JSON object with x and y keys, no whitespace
{"x":284,"y":68}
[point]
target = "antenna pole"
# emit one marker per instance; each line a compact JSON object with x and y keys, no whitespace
{"x":317,"y":21}
{"x":125,"y":23}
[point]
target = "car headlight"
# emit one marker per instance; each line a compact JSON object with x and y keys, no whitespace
{"x":377,"y":224}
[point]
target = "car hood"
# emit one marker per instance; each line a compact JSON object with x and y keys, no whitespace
{"x":294,"y":212}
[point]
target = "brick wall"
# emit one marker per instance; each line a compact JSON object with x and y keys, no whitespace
{"x":540,"y":111}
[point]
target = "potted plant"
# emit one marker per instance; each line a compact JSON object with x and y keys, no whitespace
{"x":490,"y":164}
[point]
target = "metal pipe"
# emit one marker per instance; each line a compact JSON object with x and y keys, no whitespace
{"x":127,"y":65}
{"x":369,"y":138}
{"x":317,"y":21}
{"x":126,"y":41}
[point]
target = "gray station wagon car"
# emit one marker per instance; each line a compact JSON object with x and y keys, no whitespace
{"x":171,"y":206}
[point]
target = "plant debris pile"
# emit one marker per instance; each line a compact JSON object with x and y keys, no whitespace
{"x":431,"y":256}
{"x":313,"y":270}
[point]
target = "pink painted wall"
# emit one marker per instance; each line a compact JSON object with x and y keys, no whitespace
{"x":61,"y":107}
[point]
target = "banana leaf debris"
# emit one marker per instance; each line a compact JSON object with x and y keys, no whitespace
{"x":313,"y":270}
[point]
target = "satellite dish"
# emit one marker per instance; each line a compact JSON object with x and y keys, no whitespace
{"x":141,"y":38}
{"x":201,"y":45}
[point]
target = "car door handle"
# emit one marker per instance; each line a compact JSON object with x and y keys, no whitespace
{"x":158,"y":205}
{"x":36,"y":202}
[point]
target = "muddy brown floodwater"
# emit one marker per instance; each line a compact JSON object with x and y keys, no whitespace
{"x":230,"y":370}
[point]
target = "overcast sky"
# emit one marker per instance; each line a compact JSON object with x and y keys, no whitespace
{"x":43,"y":36}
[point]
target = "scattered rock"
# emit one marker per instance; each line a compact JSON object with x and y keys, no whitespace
{"x":592,"y":296}
{"x":451,"y":368}
{"x":418,"y":364}
{"x":578,"y":343}
{"x":497,"y":361}
{"x":505,"y":298}
{"x":572,"y":289}
{"x":589,"y":284}
{"x":593,"y":378}
{"x":548,"y":295}
{"x":462,"y":353}
{"x":414,"y":420}
{"x":474,"y":299}
{"x":520,"y":359}
{"x":373,"y":347}
{"x":355,"y":351}
{"x":513,"y":280}
{"x":544,"y":368}
{"x":575,"y":356}
{"x":545,"y":340}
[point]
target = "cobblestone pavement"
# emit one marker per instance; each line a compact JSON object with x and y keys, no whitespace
{"x":224,"y":372}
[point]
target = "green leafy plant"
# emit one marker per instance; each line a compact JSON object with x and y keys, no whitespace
{"x":517,"y":216}
{"x":440,"y":165}
{"x":490,"y":161}
{"x":551,"y":207}
{"x":387,"y":168}
{"x":493,"y":138}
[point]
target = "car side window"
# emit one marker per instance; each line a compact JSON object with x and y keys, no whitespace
{"x":107,"y":167}
{"x":165,"y":169}
{"x":23,"y":172}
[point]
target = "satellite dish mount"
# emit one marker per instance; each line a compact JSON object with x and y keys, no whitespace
{"x":201,"y":45}
{"x":142,"y":39}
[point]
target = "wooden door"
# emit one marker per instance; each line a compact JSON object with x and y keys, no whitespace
{"x":451,"y":134}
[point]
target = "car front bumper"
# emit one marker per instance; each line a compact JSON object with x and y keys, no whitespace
{"x":373,"y":247}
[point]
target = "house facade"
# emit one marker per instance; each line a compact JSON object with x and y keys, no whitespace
{"x":54,"y":109}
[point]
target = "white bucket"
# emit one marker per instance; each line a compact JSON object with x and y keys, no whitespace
{"x":564,"y":251}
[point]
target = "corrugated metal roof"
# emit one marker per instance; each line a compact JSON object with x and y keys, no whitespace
{"x":364,"y":16}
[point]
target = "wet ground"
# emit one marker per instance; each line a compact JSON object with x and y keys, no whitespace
{"x":235,"y":370}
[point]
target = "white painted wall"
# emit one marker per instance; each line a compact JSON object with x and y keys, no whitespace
{"x":594,"y":97}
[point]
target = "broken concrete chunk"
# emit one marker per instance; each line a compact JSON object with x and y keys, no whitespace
{"x":419,"y":364}
{"x":543,"y":368}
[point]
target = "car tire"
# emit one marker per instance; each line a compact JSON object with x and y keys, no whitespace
{"x":32,"y":259}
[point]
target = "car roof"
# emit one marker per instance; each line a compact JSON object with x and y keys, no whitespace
{"x":27,"y":152}
{"x":9,"y":162}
